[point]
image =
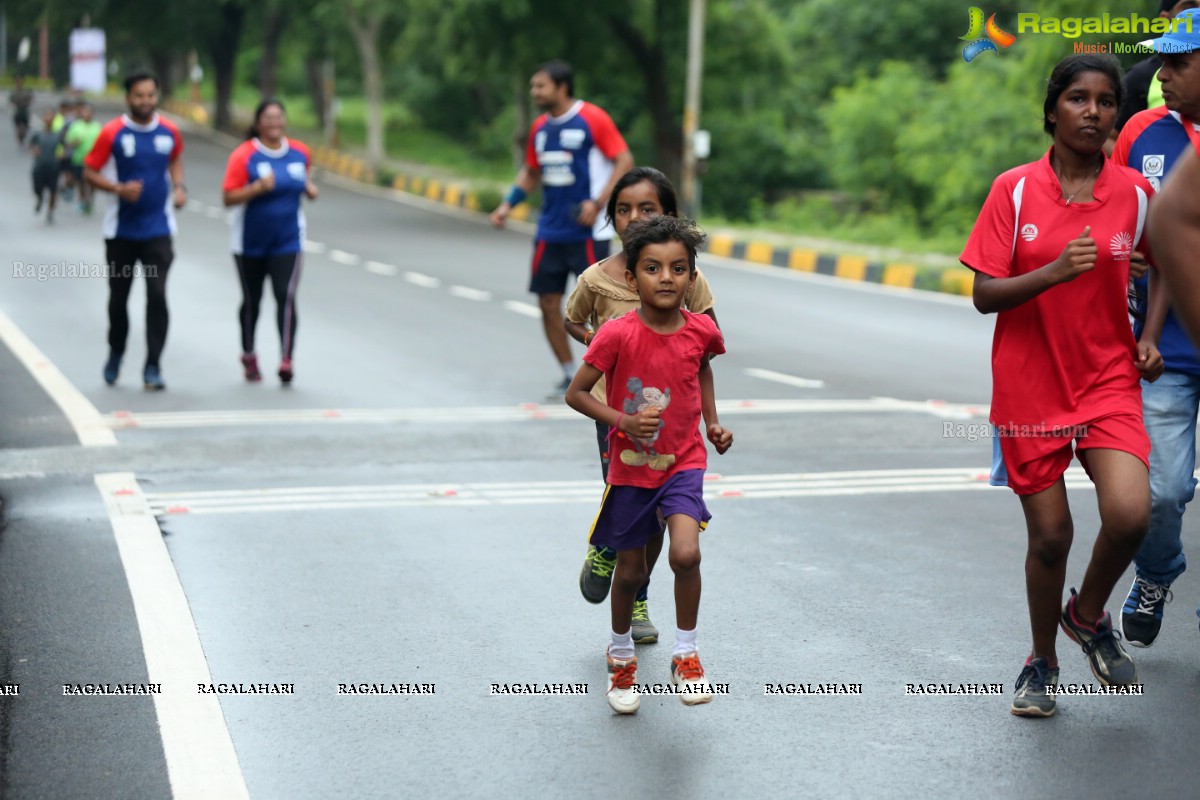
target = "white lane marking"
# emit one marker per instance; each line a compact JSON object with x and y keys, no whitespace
{"x":342,"y":257}
{"x":379,"y":268}
{"x":525,"y":309}
{"x":749,"y":487}
{"x":422,"y":280}
{"x":85,"y":419}
{"x":122,"y":420}
{"x":213,"y":212}
{"x":467,"y":293}
{"x":780,"y":377}
{"x":201,"y":760}
{"x":314,"y":247}
{"x":196,"y":206}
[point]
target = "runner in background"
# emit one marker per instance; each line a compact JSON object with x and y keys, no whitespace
{"x":264,"y":180}
{"x":577,"y":154}
{"x":21,"y":99}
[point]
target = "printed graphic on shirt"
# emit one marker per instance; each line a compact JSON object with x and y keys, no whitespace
{"x":1029,"y":231}
{"x":1121,"y":245}
{"x":643,"y":397}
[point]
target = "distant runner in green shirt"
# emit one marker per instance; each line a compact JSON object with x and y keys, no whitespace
{"x":79,"y":140}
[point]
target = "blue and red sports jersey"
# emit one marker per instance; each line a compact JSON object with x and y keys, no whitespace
{"x":273,"y":223}
{"x":125,"y":151}
{"x":574,"y":154}
{"x":1150,"y":143}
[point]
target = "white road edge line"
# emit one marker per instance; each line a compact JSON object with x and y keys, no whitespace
{"x":379,"y":268}
{"x":84,"y":417}
{"x":467,"y":293}
{"x":314,"y":247}
{"x":780,"y":377}
{"x":201,"y":760}
{"x":526,"y":309}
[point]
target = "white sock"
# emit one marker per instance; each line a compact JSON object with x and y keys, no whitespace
{"x":569,"y":369}
{"x":622,"y":645}
{"x":685,"y":642}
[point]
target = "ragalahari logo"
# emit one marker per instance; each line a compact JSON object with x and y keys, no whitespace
{"x":981,"y":38}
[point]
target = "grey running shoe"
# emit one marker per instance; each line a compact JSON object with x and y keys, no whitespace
{"x":1141,"y":616}
{"x":1101,"y":644}
{"x":596,"y":575}
{"x":1034,"y":696}
{"x":643,"y":629}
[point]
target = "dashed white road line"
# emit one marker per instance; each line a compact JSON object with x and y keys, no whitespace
{"x":342,"y":257}
{"x":780,"y":377}
{"x":85,"y":419}
{"x":422,"y":280}
{"x":314,"y":247}
{"x":526,"y":309}
{"x":201,"y":760}
{"x":716,"y":487}
{"x":379,"y":268}
{"x":467,"y":293}
{"x":212,"y":212}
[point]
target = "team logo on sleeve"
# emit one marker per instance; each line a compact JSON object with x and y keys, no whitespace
{"x":128,"y":144}
{"x":1121,"y":245}
{"x":1152,"y":166}
{"x":1029,"y":231}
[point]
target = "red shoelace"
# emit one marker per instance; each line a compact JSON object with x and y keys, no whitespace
{"x":688,"y":668}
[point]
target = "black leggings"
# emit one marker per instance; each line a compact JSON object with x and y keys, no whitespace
{"x":155,"y":256}
{"x":284,"y":271}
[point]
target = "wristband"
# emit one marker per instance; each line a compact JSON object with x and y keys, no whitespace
{"x":615,"y":428}
{"x":515,"y":196}
{"x":587,"y":337}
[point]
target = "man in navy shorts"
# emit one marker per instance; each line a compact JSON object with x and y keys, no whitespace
{"x":577,"y":154}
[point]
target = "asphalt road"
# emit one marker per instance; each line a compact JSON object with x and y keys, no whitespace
{"x":413,"y":511}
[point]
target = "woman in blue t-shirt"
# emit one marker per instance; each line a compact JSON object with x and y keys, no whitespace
{"x":264,"y":180}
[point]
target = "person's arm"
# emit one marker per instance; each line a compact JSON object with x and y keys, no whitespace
{"x":579,"y":332}
{"x":129,"y":191}
{"x":641,"y":425}
{"x":245,"y":194}
{"x":589,"y":209}
{"x":992,"y":294}
{"x":721,"y":438}
{"x":525,"y":182}
{"x":581,"y":307}
{"x":1174,"y":231}
{"x":175,"y":170}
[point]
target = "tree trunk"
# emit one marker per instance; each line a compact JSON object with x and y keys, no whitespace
{"x":521,"y":132}
{"x":223,"y":49}
{"x":651,"y":63}
{"x":366,"y":35}
{"x":161,"y":63}
{"x":316,"y":87}
{"x":275,"y":24}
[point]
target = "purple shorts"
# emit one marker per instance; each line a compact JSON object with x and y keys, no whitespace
{"x":629,"y":514}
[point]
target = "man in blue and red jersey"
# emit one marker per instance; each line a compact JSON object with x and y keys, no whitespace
{"x":1151,"y":143}
{"x":136,"y":160}
{"x":578,"y":154}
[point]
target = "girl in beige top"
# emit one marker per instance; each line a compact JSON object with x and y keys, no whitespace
{"x":603,"y":293}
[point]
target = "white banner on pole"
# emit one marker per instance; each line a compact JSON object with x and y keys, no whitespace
{"x":87,"y":59}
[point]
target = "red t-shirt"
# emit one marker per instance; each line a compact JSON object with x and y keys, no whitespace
{"x":1068,"y":355}
{"x":643,"y":368}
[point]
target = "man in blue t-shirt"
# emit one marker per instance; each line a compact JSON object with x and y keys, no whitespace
{"x":1152,"y":143}
{"x":136,"y":160}
{"x":578,"y":155}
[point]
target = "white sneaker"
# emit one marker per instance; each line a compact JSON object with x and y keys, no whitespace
{"x":688,"y":675}
{"x":622,"y":694}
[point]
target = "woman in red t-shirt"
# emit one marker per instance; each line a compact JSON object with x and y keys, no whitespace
{"x":1051,"y":251}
